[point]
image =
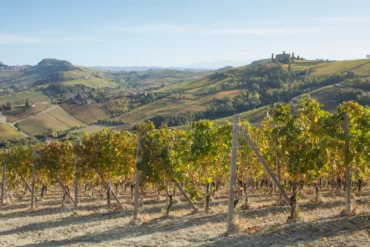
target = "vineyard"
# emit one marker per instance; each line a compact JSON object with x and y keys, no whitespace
{"x":298,"y":151}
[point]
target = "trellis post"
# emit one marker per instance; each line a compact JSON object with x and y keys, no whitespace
{"x":137,"y":177}
{"x":234,"y":154}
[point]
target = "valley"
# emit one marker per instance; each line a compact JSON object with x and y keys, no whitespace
{"x":56,"y":99}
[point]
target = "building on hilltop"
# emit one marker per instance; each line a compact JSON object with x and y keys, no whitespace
{"x":368,"y":56}
{"x":283,"y":58}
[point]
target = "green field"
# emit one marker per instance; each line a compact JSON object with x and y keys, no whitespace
{"x":91,"y":82}
{"x":7,"y":132}
{"x":55,"y":120}
{"x":20,"y":98}
{"x":320,"y":68}
{"x":87,"y":114}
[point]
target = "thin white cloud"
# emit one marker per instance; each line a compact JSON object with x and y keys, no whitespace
{"x":18,"y":39}
{"x":336,"y":20}
{"x":211,"y":30}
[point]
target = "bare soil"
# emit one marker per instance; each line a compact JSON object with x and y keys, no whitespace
{"x":265,"y":224}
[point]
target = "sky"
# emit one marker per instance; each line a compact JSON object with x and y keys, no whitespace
{"x":181,"y":33}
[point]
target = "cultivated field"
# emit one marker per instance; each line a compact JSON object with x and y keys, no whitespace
{"x":174,"y":104}
{"x":91,"y":82}
{"x":20,"y":98}
{"x":7,"y":132}
{"x":54,"y":120}
{"x":265,"y":224}
{"x":86,"y":113}
{"x":319,"y":68}
{"x":21,"y":113}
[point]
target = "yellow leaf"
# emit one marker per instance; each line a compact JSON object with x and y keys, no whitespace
{"x":324,"y":239}
{"x":316,"y":119}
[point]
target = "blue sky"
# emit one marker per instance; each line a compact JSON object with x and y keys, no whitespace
{"x":181,"y":33}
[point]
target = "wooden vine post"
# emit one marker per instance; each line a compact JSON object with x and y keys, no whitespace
{"x":183,"y":193}
{"x":347,"y":163}
{"x":234,"y":155}
{"x":137,"y":177}
{"x":3,"y":181}
{"x":264,"y":163}
{"x":77,"y":172}
{"x":33,"y":179}
{"x":107,"y":184}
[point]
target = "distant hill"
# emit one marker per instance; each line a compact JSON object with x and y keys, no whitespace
{"x":51,"y":65}
{"x":218,"y":64}
{"x":23,"y":77}
{"x":4,"y":66}
{"x":47,"y":72}
{"x":177,"y":97}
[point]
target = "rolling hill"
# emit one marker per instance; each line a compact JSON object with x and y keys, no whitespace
{"x":247,"y":90}
{"x":318,"y":78}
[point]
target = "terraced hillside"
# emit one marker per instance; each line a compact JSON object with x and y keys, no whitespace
{"x":54,"y":120}
{"x":87,"y":114}
{"x":265,"y":84}
{"x":20,"y":113}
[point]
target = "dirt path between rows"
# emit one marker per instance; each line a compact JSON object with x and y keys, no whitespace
{"x":264,"y":225}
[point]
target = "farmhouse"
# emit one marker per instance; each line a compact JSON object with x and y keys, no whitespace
{"x":283,"y":58}
{"x":90,"y":101}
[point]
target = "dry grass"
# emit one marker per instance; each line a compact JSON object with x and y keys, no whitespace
{"x":264,"y":225}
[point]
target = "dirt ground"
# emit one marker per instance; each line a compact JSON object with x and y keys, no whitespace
{"x":265,"y":224}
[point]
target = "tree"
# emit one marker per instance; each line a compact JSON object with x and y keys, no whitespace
{"x":27,"y":105}
{"x":350,"y":75}
{"x":9,"y":105}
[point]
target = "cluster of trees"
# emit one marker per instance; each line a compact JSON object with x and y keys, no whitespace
{"x":185,"y":118}
{"x":29,"y":141}
{"x":53,"y":78}
{"x":361,"y":83}
{"x":7,"y":107}
{"x":359,"y":95}
{"x":111,"y":121}
{"x":118,"y":106}
{"x":268,"y":83}
{"x":302,"y":144}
